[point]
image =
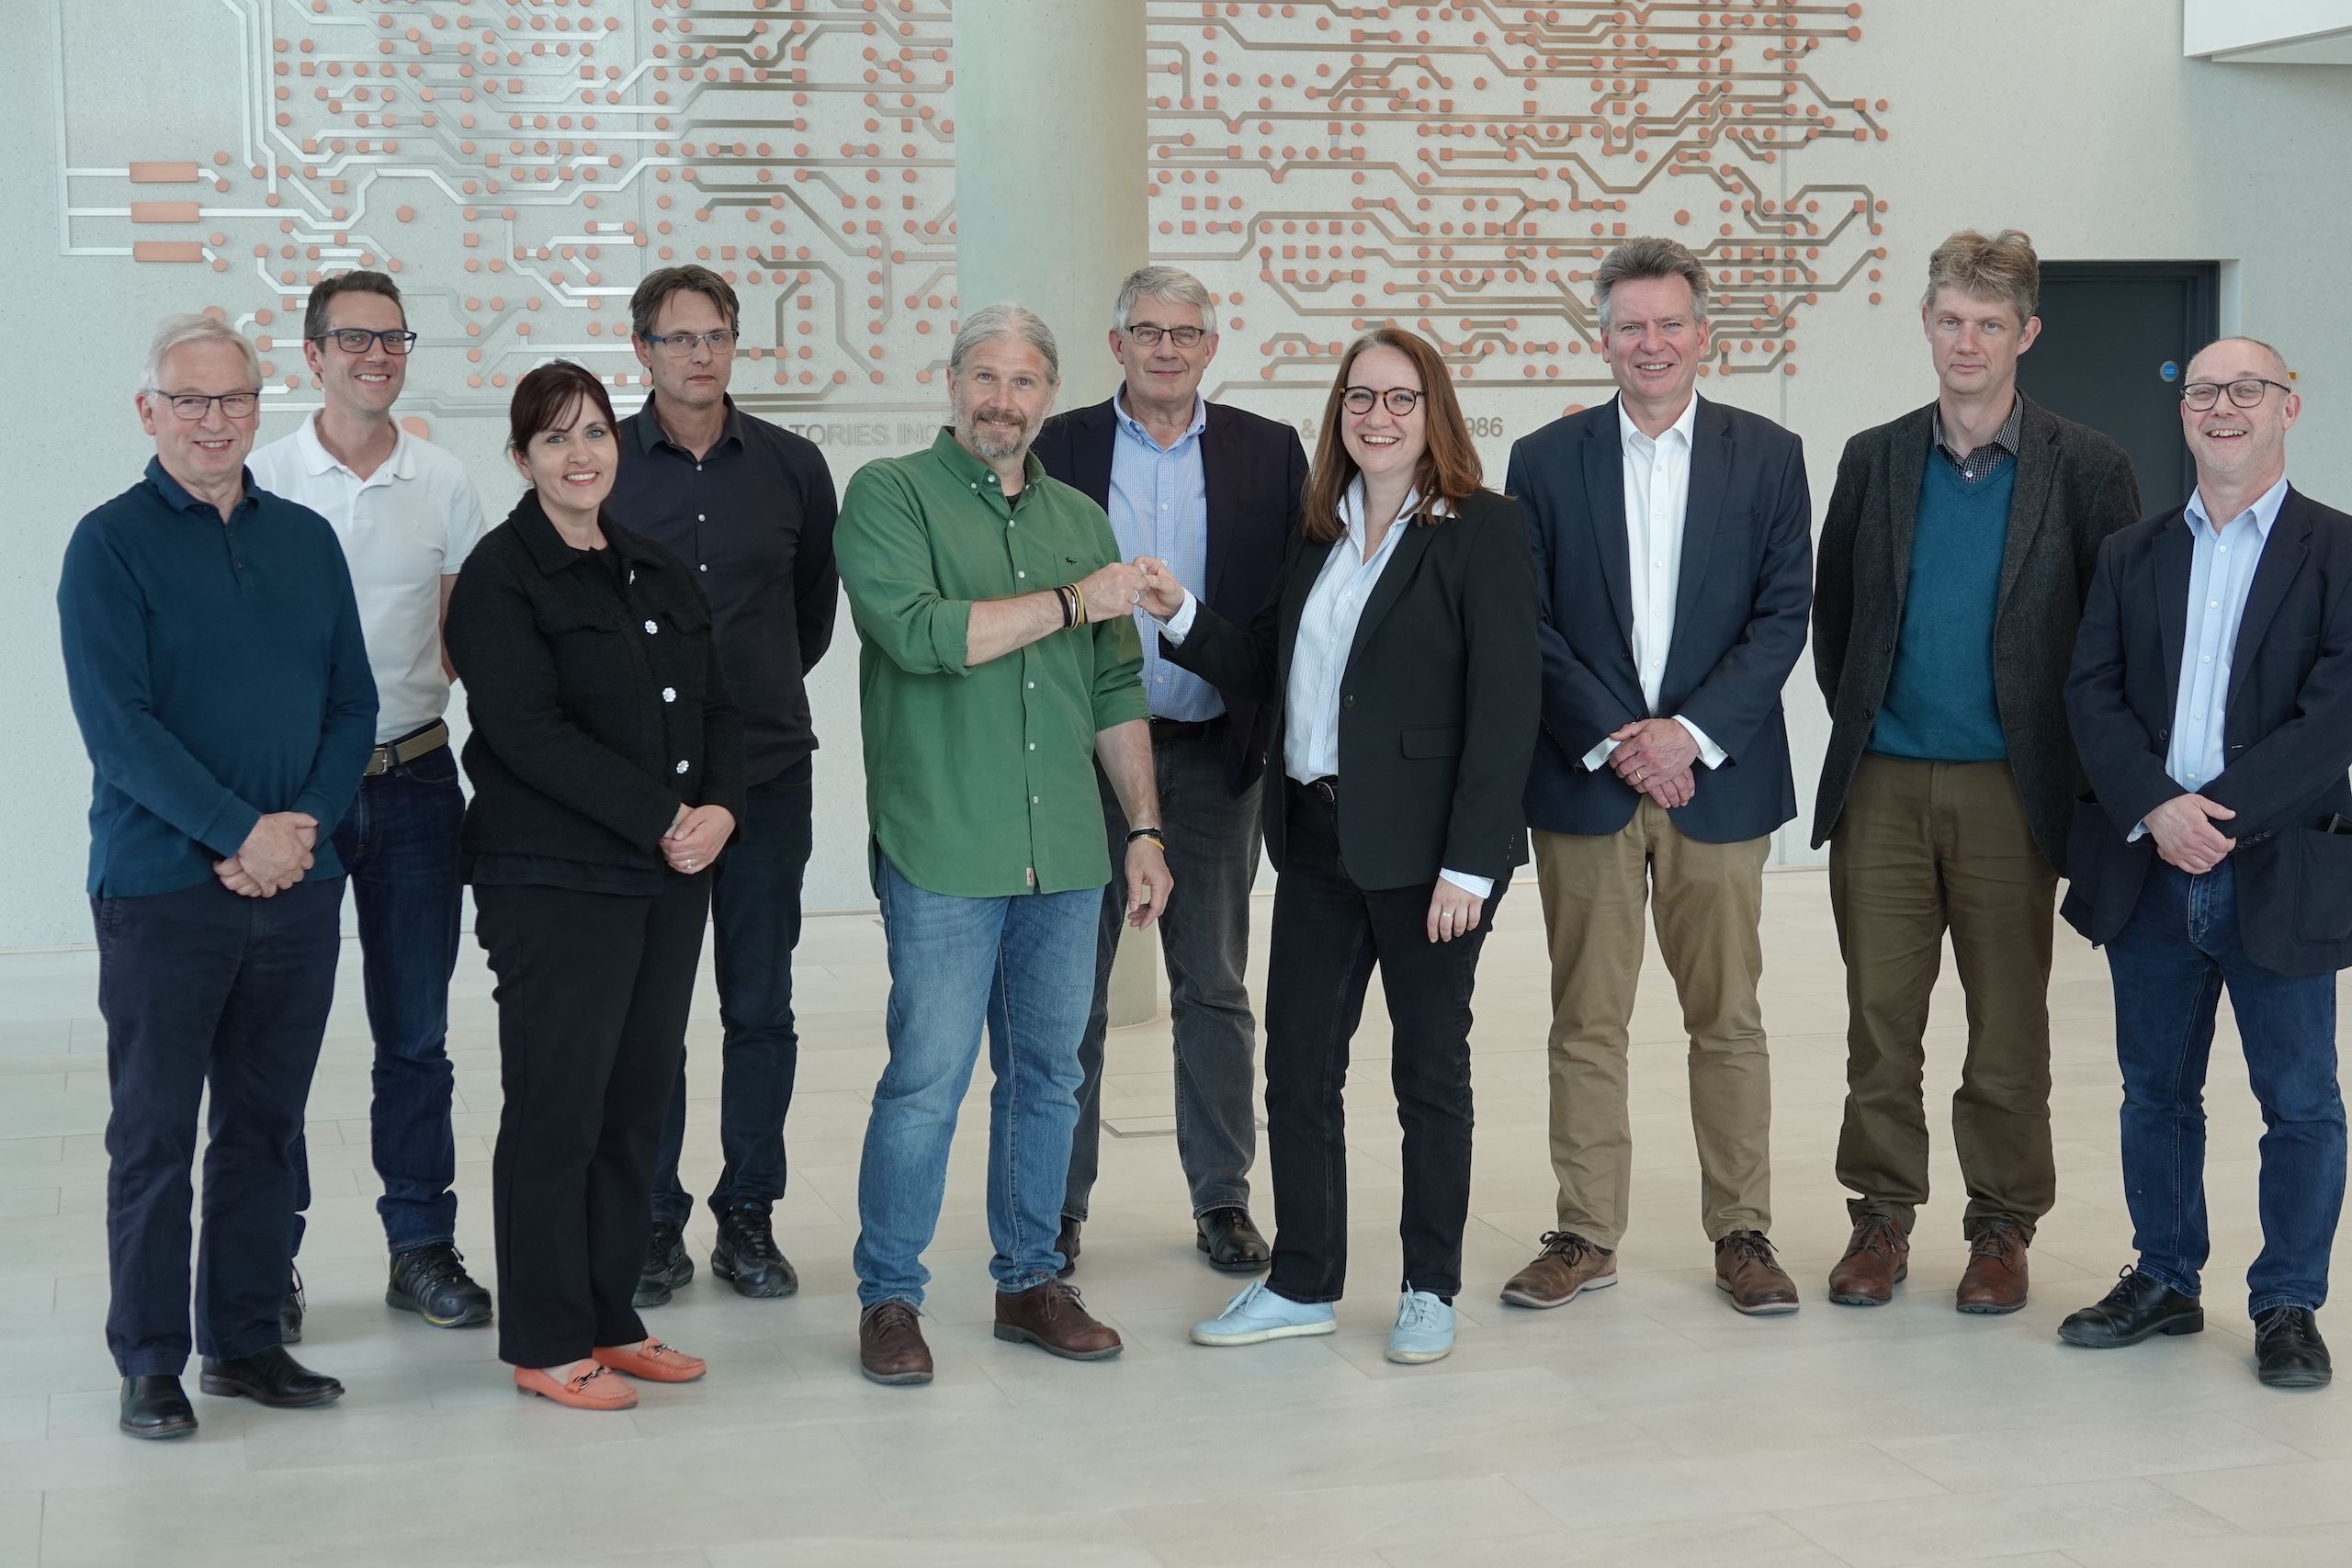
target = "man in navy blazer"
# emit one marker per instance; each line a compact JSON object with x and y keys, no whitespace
{"x":1672,"y":540}
{"x":2212,"y":699}
{"x":1215,"y":491}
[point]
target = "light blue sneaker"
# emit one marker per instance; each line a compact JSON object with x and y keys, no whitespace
{"x":1257,"y":1314}
{"x":1424,"y":1330}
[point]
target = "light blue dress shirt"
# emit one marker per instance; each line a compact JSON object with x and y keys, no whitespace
{"x":2220,"y":576}
{"x":1159,"y":506}
{"x":1326,"y":634}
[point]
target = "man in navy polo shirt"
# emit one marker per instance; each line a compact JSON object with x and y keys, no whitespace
{"x":215,"y":661}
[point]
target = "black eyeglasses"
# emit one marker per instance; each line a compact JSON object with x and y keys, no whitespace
{"x":2203,"y":395}
{"x":1401,"y":400}
{"x":1146,"y":335}
{"x":192,"y":406}
{"x":358,"y":340}
{"x":721,"y":342}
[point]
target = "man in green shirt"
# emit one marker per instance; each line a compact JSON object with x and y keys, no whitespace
{"x":998,"y":660}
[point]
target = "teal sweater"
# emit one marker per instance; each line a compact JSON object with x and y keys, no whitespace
{"x":1939,"y":703}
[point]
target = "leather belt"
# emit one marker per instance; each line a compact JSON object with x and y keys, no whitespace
{"x":407,"y":748}
{"x":1325,"y":789}
{"x":1185,"y":728}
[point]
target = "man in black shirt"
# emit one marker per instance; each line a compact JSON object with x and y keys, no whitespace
{"x":750,"y":506}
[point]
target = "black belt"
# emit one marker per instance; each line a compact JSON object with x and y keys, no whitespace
{"x":406,"y":749}
{"x":1185,"y":728}
{"x":1325,"y":789}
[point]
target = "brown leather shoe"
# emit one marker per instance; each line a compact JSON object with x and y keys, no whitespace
{"x":1878,"y":1256}
{"x":1568,"y":1265}
{"x":1993,"y":1282}
{"x":1746,"y":1271}
{"x":889,"y":1344}
{"x":1052,"y":1317}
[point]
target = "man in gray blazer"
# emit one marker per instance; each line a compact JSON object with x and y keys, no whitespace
{"x":1959,"y":545}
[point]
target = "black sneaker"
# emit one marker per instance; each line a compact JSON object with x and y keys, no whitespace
{"x":432,"y":1282}
{"x":289,"y":1311}
{"x":667,"y":1267}
{"x":746,"y":1254}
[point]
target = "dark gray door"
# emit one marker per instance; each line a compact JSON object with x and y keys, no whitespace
{"x":2116,"y":337}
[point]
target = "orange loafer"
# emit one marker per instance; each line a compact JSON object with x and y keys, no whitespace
{"x":595,"y":1389}
{"x":652,"y":1361}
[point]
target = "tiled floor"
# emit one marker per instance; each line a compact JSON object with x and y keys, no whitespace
{"x":1644,"y":1425}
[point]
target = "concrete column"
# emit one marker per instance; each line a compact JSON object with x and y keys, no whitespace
{"x":1050,"y":157}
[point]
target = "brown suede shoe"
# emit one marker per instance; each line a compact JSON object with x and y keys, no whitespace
{"x":889,"y":1345}
{"x":1877,"y":1258}
{"x":1052,"y":1317}
{"x":1993,"y":1282}
{"x":1746,"y":1271}
{"x":1568,"y":1264}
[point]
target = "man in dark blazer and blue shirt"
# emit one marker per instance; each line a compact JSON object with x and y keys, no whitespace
{"x":2212,"y":697}
{"x":1957,"y":548}
{"x":1214,"y":490}
{"x":1673,"y":548}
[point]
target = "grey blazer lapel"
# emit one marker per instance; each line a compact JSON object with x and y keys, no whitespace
{"x":1906,"y":468}
{"x":2029,"y":500}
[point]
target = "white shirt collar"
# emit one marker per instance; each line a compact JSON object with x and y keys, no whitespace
{"x":1684,"y":423}
{"x":1352,"y":508}
{"x":317,"y":460}
{"x":2265,"y":509}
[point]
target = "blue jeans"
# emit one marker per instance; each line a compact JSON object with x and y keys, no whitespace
{"x":202,"y":990}
{"x":1025,"y":966}
{"x":399,"y":845}
{"x":2169,"y":964}
{"x":755,"y":924}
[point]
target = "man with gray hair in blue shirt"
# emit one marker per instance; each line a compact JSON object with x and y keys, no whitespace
{"x":214,"y":659}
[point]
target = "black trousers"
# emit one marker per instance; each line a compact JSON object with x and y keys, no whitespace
{"x":1328,"y":934}
{"x":592,"y":993}
{"x":203,"y":988}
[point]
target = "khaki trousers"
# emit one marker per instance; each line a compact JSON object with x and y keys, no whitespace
{"x":1709,"y":898}
{"x":1923,"y":848}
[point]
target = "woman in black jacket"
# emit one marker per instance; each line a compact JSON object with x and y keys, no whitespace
{"x":1398,"y":653}
{"x":607,"y":769}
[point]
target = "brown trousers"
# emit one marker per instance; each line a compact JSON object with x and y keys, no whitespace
{"x":1924,"y":848}
{"x":1709,"y":900}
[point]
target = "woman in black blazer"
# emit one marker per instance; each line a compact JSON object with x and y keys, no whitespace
{"x":607,"y":768}
{"x":1399,"y":654}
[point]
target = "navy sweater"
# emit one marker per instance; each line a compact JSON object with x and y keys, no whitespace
{"x":1939,"y":705}
{"x":217,"y":673}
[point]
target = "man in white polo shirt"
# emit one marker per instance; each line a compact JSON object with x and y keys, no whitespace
{"x":407,"y":515}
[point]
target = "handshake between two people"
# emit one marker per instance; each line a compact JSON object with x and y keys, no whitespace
{"x":1124,"y":587}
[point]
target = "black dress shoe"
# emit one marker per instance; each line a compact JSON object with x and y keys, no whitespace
{"x":746,"y":1255}
{"x":667,"y":1267}
{"x":1232,"y":1243}
{"x":156,"y":1407}
{"x":432,"y":1282}
{"x":2288,"y":1350}
{"x":1067,"y":1245}
{"x":2136,"y":1309}
{"x":289,"y":1311}
{"x":272,"y":1377}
